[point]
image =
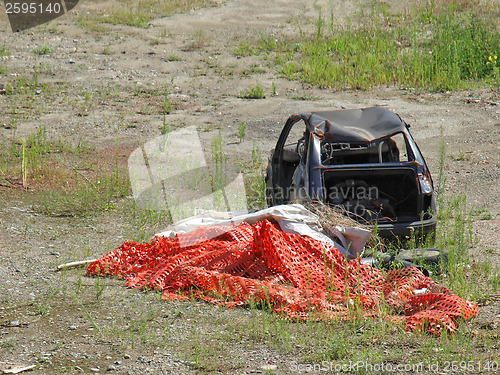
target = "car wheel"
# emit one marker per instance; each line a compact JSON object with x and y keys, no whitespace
{"x":429,"y":256}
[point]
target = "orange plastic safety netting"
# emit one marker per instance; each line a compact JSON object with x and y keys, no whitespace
{"x":298,"y":276}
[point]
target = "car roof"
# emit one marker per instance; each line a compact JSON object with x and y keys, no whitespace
{"x":350,"y":125}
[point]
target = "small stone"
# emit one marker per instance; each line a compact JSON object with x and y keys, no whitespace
{"x":269,"y":367}
{"x":15,"y":323}
{"x":118,"y":363}
{"x":94,"y":369}
{"x":111,"y":368}
{"x":79,"y":368}
{"x":126,"y":356}
{"x":72,"y":328}
{"x":108,"y":357}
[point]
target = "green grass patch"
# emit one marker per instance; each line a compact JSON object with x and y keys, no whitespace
{"x":254,"y":92}
{"x":4,"y":51}
{"x":481,"y":214}
{"x":129,"y":17}
{"x":138,"y":14}
{"x":461,"y":156}
{"x":354,"y":346}
{"x":245,"y":48}
{"x":91,"y":195}
{"x":92,"y":24}
{"x":31,"y":154}
{"x":173,"y":57}
{"x":43,"y":50}
{"x":143,"y":223}
{"x":431,"y":47}
{"x":25,"y":86}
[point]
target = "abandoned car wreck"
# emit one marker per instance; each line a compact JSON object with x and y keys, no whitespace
{"x":362,"y":160}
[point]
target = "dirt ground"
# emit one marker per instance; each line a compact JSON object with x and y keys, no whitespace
{"x":104,"y":87}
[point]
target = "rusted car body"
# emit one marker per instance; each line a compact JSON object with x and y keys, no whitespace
{"x":364,"y":160}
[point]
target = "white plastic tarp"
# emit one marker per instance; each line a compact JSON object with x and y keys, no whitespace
{"x":292,"y":218}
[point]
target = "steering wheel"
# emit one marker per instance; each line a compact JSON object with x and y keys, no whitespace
{"x":301,"y":146}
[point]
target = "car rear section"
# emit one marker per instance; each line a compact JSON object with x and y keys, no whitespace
{"x":389,"y":197}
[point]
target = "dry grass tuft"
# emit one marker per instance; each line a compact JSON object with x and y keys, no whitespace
{"x":330,"y":216}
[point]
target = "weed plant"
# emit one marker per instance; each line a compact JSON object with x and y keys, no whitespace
{"x":4,"y":51}
{"x":245,"y":48}
{"x":242,"y":131}
{"x":219,"y":178}
{"x":173,"y":57}
{"x":167,"y":108}
{"x":255,"y":183}
{"x":43,"y":50}
{"x":255,"y":92}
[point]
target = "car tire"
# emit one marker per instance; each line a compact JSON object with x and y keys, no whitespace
{"x":424,"y":255}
